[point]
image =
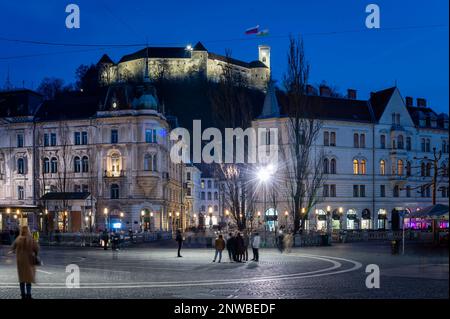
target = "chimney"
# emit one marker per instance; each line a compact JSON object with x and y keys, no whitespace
{"x":324,"y":90}
{"x":351,"y":94}
{"x":421,"y":102}
{"x":409,"y":101}
{"x":310,"y":90}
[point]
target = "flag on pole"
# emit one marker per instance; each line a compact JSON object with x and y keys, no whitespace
{"x":253,"y":30}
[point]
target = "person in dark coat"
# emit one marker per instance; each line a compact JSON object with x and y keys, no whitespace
{"x":179,"y":239}
{"x":246,"y":244}
{"x":105,"y":238}
{"x":239,"y":247}
{"x":230,"y":247}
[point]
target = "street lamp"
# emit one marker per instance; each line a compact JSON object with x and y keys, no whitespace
{"x":90,"y":221}
{"x":210,"y":212}
{"x":8,"y":212}
{"x":286,"y":214}
{"x":105,"y":212}
{"x":341,"y":213}
{"x":151,"y":220}
{"x":142,"y":220}
{"x":264,"y":175}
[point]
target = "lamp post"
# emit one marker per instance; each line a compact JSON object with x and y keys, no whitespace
{"x":210,"y":213}
{"x":19,"y":213}
{"x":151,"y":221}
{"x":90,"y":221}
{"x":264,"y":175}
{"x":142,"y":220}
{"x":170,"y":222}
{"x":328,"y":219}
{"x":286,"y":214}
{"x":8,"y":214}
{"x":227,"y":214}
{"x":195,"y":220}
{"x":341,"y":213}
{"x":105,"y":212}
{"x":177,"y":219}
{"x":121,"y":219}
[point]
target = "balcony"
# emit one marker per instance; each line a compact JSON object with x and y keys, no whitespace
{"x":114,"y":174}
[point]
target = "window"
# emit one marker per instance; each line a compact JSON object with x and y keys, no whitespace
{"x":333,"y":166}
{"x":333,"y":139}
{"x":77,"y":188}
{"x":400,"y":142}
{"x":382,"y":167}
{"x":209,"y":196}
{"x":396,"y":191}
{"x":408,"y":143}
{"x":326,"y":138}
{"x":46,"y":166}
{"x":397,"y":119}
{"x":46,"y":140}
{"x":76,"y":164}
{"x":114,"y":191}
{"x":85,"y":188}
{"x":362,"y":167}
{"x":326,"y":190}
{"x":209,"y":184}
{"x":362,"y":140}
{"x":332,"y":190}
{"x":54,"y":165}
{"x":216,"y":208}
{"x":325,"y":166}
{"x":422,"y":145}
{"x":400,"y":167}
{"x":408,"y":191}
{"x":382,"y":190}
{"x":428,"y":191}
{"x":393,"y":118}
{"x":114,"y":136}
{"x":147,"y":162}
{"x":383,"y":141}
{"x":189,"y":191}
{"x":445,"y":146}
{"x":422,"y":169}
{"x":427,"y":145}
{"x":154,"y":163}
{"x":115,"y":164}
{"x":428,"y":170}
{"x":202,"y":196}
{"x":355,"y":191}
{"x":85,"y":164}
{"x":84,"y":138}
{"x":188,"y":176}
{"x":19,"y":140}
{"x":216,"y":184}
{"x":362,"y":191}
{"x":202,"y":184}
{"x":21,"y":166}
{"x":77,"y":138}
{"x":203,"y":208}
{"x":53,"y":139}
{"x":216,"y":196}
{"x":355,"y":140}
{"x":20,"y":193}
{"x":150,"y":136}
{"x":394,"y":143}
{"x":408,"y":168}
{"x":444,"y":170}
{"x":355,"y":166}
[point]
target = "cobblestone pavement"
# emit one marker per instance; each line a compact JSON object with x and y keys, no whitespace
{"x":153,"y":271}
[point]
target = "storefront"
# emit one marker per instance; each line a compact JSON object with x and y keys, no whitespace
{"x":366,"y":221}
{"x":352,"y":220}
{"x":381,"y":219}
{"x":321,"y":220}
{"x":12,"y":217}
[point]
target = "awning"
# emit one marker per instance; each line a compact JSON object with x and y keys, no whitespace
{"x":437,"y":211}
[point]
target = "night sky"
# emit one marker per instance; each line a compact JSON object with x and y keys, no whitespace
{"x":368,"y":60}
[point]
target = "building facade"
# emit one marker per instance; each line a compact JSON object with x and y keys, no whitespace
{"x":378,"y":159}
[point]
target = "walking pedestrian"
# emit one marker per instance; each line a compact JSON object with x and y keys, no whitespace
{"x":179,"y":239}
{"x":230,"y":247}
{"x":26,"y":250}
{"x":280,"y":239}
{"x":219,"y":244}
{"x":255,"y":246}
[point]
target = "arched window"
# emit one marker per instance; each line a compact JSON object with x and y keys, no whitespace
{"x":115,"y":164}
{"x":422,"y":145}
{"x":422,"y":169}
{"x":400,"y":167}
{"x":362,"y":167}
{"x":408,"y":143}
{"x":382,"y":167}
{"x":46,"y":165}
{"x":362,"y":140}
{"x":85,"y":164}
{"x":76,"y":164}
{"x":147,"y":162}
{"x":396,"y":191}
{"x":400,"y":142}
{"x":21,"y":166}
{"x":408,"y":168}
{"x":428,"y":170}
{"x":326,"y":138}
{"x":154,"y":163}
{"x":216,"y":208}
{"x":333,"y":166}
{"x":54,"y":165}
{"x":333,"y":139}
{"x":209,"y":196}
{"x":427,"y":145}
{"x":355,"y":166}
{"x":114,"y":191}
{"x":216,"y":195}
{"x":355,"y":140}
{"x":325,"y":166}
{"x":203,"y":208}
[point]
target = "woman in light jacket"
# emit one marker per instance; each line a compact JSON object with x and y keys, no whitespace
{"x":26,"y":250}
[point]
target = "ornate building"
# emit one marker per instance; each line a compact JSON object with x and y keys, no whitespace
{"x":81,"y":161}
{"x":179,"y":62}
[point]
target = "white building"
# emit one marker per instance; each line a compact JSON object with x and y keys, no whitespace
{"x":210,"y":203}
{"x":377,"y":157}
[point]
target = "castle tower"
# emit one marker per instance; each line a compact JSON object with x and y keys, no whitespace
{"x":264,"y":54}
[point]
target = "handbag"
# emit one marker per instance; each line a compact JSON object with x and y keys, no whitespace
{"x":37,"y":260}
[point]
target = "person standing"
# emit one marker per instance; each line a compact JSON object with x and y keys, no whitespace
{"x":246,"y":244}
{"x":219,"y":244}
{"x":179,"y":239}
{"x":230,"y":246}
{"x":239,"y":247}
{"x":26,"y":250}
{"x":255,"y":246}
{"x":105,"y":238}
{"x":36,"y":236}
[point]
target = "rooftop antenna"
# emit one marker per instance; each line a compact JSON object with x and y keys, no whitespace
{"x":146,"y":77}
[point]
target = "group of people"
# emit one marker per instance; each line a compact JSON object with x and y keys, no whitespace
{"x":237,"y":246}
{"x":114,"y":238}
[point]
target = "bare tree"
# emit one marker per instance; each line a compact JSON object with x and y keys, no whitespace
{"x":64,"y":159}
{"x":304,"y":169}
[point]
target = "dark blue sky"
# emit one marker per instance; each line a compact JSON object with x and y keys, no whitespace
{"x":417,"y":59}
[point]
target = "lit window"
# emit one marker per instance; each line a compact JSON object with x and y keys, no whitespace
{"x":355,"y":167}
{"x":382,"y":167}
{"x":362,"y":166}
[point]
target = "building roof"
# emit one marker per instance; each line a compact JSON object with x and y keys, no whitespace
{"x":199,"y":47}
{"x":379,"y":100}
{"x":105,"y":59}
{"x":65,"y":196}
{"x":222,"y":58}
{"x":157,"y":52}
